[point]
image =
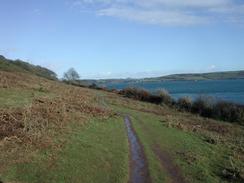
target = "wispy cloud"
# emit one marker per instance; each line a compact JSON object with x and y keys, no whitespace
{"x":168,"y":12}
{"x":154,"y":16}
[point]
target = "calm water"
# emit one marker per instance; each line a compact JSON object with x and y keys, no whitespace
{"x":230,"y":90}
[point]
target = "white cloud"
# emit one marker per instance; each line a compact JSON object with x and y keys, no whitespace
{"x":184,"y":3}
{"x":154,"y":17}
{"x":168,"y":12}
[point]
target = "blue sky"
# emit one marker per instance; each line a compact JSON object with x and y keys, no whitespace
{"x":125,"y":38}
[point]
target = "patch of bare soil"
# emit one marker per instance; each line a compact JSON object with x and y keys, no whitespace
{"x":168,"y":165}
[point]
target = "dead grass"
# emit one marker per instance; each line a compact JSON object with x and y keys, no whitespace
{"x":20,"y":80}
{"x":30,"y":124}
{"x":28,"y":129}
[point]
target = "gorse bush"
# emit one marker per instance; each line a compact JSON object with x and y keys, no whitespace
{"x":227,"y":111}
{"x":221,"y":110}
{"x":141,"y":94}
{"x":138,"y":94}
{"x":166,"y":98}
{"x":185,"y":103}
{"x":204,"y":105}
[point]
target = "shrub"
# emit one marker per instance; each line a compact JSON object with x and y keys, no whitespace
{"x":155,"y":99}
{"x":141,"y":94}
{"x":138,"y":94}
{"x":221,"y":110}
{"x":185,"y":103}
{"x":228,"y":111}
{"x":203,"y":106}
{"x":166,"y":98}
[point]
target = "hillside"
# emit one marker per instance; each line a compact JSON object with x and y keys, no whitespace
{"x":53,"y":132}
{"x":21,"y":66}
{"x":174,"y":77}
{"x":204,"y":76}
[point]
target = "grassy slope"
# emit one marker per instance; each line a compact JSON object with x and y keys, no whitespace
{"x":19,"y":97}
{"x":89,"y":143}
{"x":72,"y":151}
{"x":92,"y":154}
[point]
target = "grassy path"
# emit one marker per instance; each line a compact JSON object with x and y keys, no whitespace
{"x":175,"y":155}
{"x":139,"y":166}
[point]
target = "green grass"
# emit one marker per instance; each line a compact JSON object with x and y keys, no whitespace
{"x":198,"y":160}
{"x":18,"y":97}
{"x":96,"y":152}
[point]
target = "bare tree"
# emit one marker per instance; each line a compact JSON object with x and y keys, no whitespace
{"x":71,"y":75}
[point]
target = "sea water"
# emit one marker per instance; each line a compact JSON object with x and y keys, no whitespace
{"x":229,"y":90}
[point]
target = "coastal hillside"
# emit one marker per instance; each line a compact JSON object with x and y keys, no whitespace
{"x":54,"y":132}
{"x":143,"y":91}
{"x":25,"y":67}
{"x":174,"y":77}
{"x":203,"y":76}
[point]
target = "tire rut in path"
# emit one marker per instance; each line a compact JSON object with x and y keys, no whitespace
{"x":139,"y":172}
{"x":166,"y":161}
{"x":167,"y":164}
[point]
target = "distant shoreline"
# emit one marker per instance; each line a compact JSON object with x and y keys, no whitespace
{"x":227,"y":75}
